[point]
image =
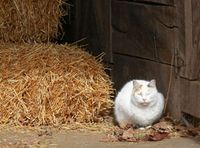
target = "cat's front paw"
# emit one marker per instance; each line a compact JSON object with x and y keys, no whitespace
{"x":145,"y":128}
{"x":148,"y":127}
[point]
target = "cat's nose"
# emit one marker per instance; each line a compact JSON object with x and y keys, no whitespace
{"x":144,"y":99}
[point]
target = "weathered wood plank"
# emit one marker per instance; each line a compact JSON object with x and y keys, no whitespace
{"x":195,"y":55}
{"x":153,"y":2}
{"x":93,"y":22}
{"x":190,"y":38}
{"x":185,"y":94}
{"x":190,"y":97}
{"x":143,"y":31}
{"x":174,"y":100}
{"x":180,"y":34}
{"x":102,"y":9}
{"x":127,"y":68}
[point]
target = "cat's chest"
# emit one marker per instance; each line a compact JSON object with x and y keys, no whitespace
{"x":144,"y":113}
{"x":144,"y":117}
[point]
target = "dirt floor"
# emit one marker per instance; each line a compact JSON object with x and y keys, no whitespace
{"x":55,"y":137}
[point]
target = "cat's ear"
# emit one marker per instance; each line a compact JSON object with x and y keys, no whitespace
{"x":136,"y":85}
{"x":152,"y":83}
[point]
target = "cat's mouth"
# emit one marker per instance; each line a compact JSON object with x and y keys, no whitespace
{"x":145,"y":103}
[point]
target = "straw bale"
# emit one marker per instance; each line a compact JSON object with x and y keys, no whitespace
{"x":48,"y":84}
{"x":30,"y":20}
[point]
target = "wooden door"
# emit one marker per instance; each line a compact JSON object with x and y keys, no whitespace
{"x":188,"y":56}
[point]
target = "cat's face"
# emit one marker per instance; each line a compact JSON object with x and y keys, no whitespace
{"x":144,"y":92}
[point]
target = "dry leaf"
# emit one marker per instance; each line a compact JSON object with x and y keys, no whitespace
{"x":132,"y":139}
{"x":158,"y":136}
{"x":128,"y":133}
{"x":163,"y":127}
{"x":179,"y":127}
{"x":193,"y":132}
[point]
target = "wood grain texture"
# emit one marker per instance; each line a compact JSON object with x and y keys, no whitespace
{"x":195,"y":55}
{"x":190,"y":100}
{"x":190,"y":38}
{"x":128,"y":68}
{"x":185,"y":92}
{"x":102,"y":10}
{"x":93,"y":22}
{"x":143,"y":31}
{"x":180,"y":35}
{"x":174,"y":100}
{"x":153,"y":2}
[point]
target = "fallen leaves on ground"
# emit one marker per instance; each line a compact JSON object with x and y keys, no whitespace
{"x":128,"y":135}
{"x":193,"y":132}
{"x":164,"y":129}
{"x":158,"y":136}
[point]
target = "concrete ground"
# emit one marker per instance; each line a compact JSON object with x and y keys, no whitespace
{"x":77,"y":139}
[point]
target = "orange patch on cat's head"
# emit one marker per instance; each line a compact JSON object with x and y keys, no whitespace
{"x":136,"y":87}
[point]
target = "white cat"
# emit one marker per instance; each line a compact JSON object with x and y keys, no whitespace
{"x":138,"y":103}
